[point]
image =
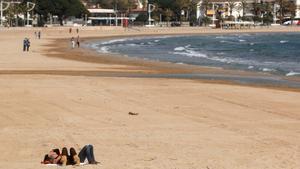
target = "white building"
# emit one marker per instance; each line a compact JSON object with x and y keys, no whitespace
{"x":298,"y":9}
{"x":223,"y":6}
{"x":107,"y":17}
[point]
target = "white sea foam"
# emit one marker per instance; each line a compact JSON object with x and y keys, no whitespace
{"x":292,"y":73}
{"x":179,"y":48}
{"x":113,"y":41}
{"x":251,"y":44}
{"x":250,"y":67}
{"x":242,"y":40}
{"x":104,"y":49}
{"x":284,"y":41}
{"x":191,"y":53}
{"x":218,"y":58}
{"x":132,"y":44}
{"x":267,"y":70}
{"x":156,"y":40}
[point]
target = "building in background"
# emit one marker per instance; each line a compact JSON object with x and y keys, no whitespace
{"x":234,"y":9}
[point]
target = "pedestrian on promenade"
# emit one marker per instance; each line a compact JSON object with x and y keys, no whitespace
{"x":39,"y":34}
{"x":73,"y":42}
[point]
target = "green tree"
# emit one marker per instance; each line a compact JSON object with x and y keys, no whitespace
{"x":231,"y":4}
{"x":168,"y":15}
{"x":13,"y":13}
{"x":286,"y":7}
{"x":61,"y":8}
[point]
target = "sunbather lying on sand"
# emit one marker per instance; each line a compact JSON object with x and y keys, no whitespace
{"x":63,"y":158}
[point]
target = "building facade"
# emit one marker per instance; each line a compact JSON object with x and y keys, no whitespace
{"x":234,"y":8}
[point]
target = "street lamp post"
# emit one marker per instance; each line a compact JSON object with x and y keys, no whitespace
{"x":30,"y":7}
{"x":150,"y":10}
{"x":3,"y":9}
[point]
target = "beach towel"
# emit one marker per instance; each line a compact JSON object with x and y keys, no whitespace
{"x":57,"y":165}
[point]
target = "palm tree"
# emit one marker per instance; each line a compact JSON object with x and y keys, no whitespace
{"x":231,"y":5}
{"x":244,"y":6}
{"x":205,"y":6}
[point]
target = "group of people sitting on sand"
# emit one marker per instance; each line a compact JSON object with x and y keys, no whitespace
{"x":64,"y":158}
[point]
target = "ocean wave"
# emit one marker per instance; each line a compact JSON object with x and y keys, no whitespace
{"x":155,"y":38}
{"x":292,"y":73}
{"x":113,"y":41}
{"x":132,"y":44}
{"x":250,"y":67}
{"x":267,"y":70}
{"x":180,"y":48}
{"x":104,"y":49}
{"x":284,"y":41}
{"x":219,"y":58}
{"x":191,"y":53}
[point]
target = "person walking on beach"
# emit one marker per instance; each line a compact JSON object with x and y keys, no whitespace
{"x":70,"y":30}
{"x":77,"y":30}
{"x":26,"y":44}
{"x":78,"y":42}
{"x":73,"y":42}
{"x":39,"y":34}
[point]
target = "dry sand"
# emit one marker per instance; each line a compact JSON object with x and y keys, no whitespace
{"x":48,"y":102}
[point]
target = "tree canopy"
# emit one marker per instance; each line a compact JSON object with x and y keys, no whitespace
{"x":61,"y":8}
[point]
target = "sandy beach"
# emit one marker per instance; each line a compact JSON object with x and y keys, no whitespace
{"x":54,"y":96}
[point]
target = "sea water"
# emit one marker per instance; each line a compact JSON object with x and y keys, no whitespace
{"x":275,"y":53}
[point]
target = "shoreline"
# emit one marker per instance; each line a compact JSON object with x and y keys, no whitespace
{"x":141,"y":68}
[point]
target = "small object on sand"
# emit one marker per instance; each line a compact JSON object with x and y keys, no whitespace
{"x":133,"y":114}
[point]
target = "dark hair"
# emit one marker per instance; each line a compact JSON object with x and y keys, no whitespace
{"x":72,"y":152}
{"x":64,"y":151}
{"x":56,"y":151}
{"x":46,"y":158}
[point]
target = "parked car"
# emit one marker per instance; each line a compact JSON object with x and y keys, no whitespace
{"x":295,"y":21}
